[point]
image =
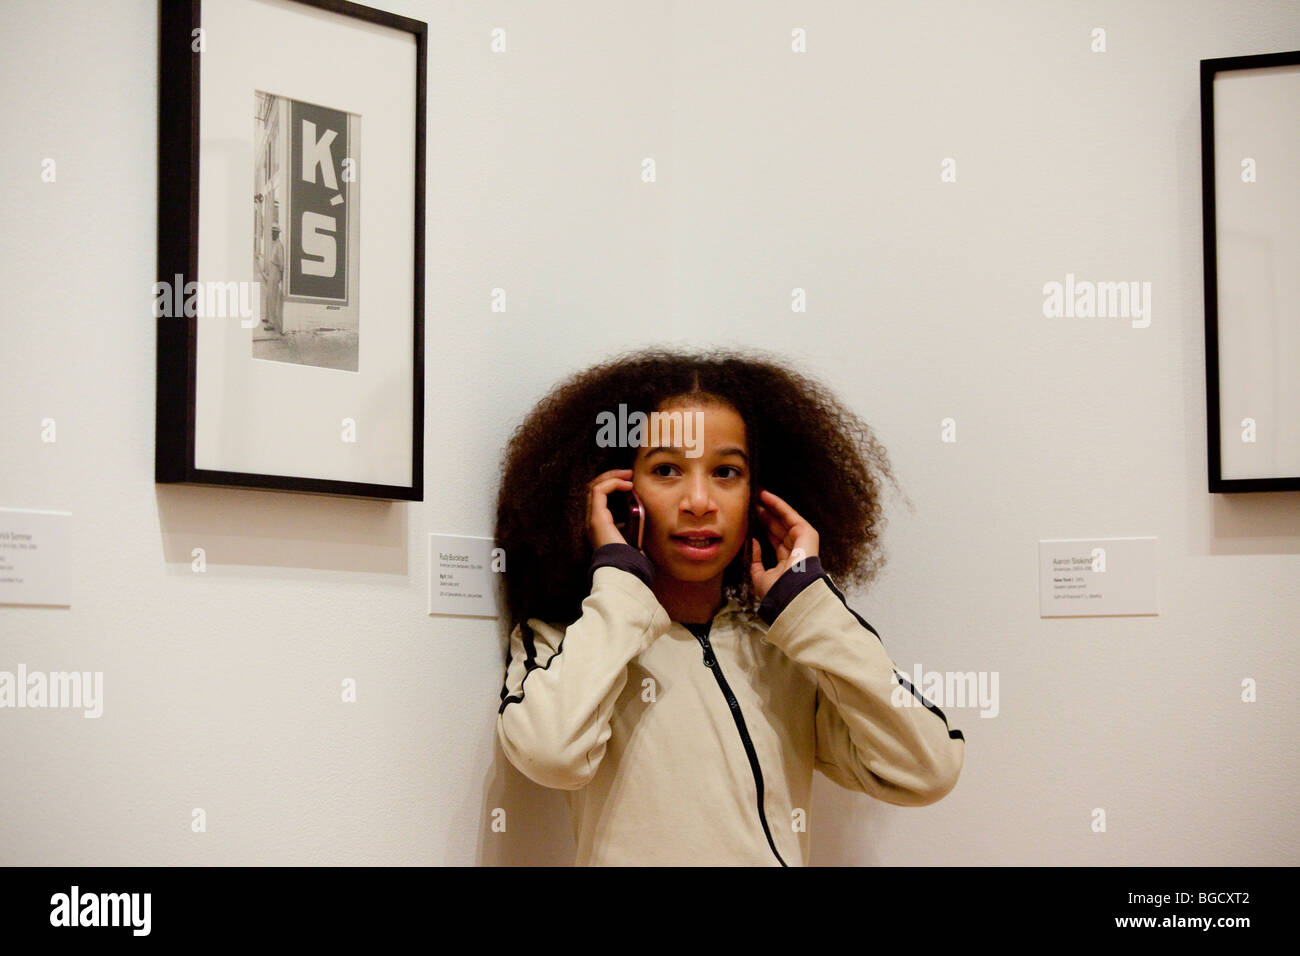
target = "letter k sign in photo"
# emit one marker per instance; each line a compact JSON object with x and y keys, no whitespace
{"x":318,"y":206}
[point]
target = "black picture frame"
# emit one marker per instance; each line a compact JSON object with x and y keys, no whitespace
{"x":1214,"y":329}
{"x":178,"y":258}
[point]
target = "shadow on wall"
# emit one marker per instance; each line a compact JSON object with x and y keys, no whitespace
{"x":538,"y":825}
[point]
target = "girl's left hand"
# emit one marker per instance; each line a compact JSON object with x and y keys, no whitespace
{"x":793,"y":538}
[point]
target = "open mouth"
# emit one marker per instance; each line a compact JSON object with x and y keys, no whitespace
{"x":700,"y":546}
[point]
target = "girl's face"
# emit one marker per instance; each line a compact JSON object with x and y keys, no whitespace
{"x":705,"y":495}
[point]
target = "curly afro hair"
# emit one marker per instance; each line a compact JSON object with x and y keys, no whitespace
{"x":804,"y":445}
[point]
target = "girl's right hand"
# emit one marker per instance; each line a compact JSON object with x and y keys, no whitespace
{"x":601,"y":529}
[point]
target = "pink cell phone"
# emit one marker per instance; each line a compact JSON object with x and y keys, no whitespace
{"x":629,"y":516}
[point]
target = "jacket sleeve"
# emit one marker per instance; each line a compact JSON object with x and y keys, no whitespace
{"x":561,"y":684}
{"x":867,"y":740}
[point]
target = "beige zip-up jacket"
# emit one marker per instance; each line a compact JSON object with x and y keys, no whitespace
{"x":695,"y":744}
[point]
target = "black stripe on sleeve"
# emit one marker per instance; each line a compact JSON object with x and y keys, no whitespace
{"x":530,"y":665}
{"x":952,"y":734}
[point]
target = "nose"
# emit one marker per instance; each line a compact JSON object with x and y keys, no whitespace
{"x":696,"y":500}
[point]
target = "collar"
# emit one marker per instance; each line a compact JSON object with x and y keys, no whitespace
{"x":731,"y":607}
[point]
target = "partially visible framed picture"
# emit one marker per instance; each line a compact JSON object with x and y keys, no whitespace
{"x":1250,"y":168}
{"x":290,"y":292}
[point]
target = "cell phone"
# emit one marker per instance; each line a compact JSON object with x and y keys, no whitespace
{"x":629,"y":516}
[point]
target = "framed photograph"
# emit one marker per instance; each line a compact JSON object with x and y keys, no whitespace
{"x":1250,"y":169}
{"x":290,"y":292}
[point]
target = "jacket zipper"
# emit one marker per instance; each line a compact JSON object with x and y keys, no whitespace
{"x":711,"y":662}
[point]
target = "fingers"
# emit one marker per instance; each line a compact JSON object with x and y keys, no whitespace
{"x":620,"y":472}
{"x":600,"y":521}
{"x":780,"y":507}
{"x":782,"y":519}
{"x":612,"y":480}
{"x":781,"y":536}
{"x":760,"y":577}
{"x":611,"y":484}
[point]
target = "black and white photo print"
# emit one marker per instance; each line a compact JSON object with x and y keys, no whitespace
{"x":305,"y":233}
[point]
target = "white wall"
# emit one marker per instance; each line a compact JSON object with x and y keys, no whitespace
{"x":775,"y":170}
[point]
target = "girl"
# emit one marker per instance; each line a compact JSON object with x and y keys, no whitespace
{"x":682,"y":684}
